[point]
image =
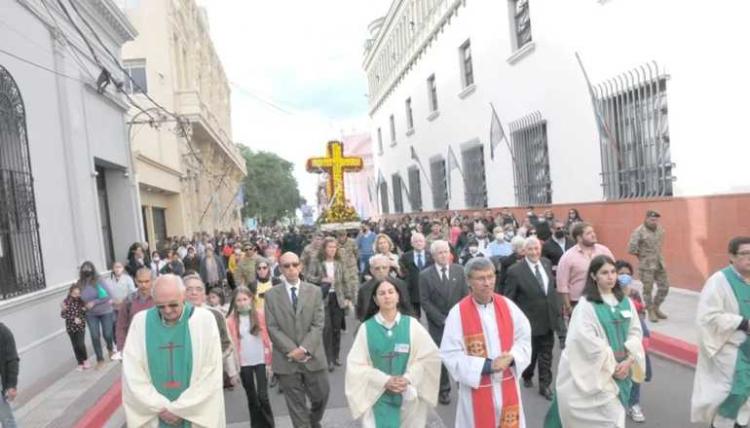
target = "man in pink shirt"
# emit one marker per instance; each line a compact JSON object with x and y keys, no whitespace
{"x":571,"y":271}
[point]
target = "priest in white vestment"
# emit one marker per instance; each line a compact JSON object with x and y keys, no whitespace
{"x":486,"y":345}
{"x":418,"y":371}
{"x":722,"y":343}
{"x":172,"y":363}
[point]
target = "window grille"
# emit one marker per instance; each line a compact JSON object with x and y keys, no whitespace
{"x":415,"y":189}
{"x":398,"y":195}
{"x":634,"y":137}
{"x":21,"y":267}
{"x":475,"y":184}
{"x":385,"y":208}
{"x":432,"y":93}
{"x":409,"y":115}
{"x":521,"y":22}
{"x":439,"y":184}
{"x":466,"y":66}
{"x":531,"y":160}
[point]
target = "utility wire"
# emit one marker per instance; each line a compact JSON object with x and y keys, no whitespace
{"x":34,"y":64}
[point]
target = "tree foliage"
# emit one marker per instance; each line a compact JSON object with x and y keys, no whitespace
{"x":271,"y":191}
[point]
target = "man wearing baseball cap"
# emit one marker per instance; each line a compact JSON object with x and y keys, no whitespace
{"x":646,"y":244}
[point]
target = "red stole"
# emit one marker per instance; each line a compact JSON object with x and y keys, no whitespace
{"x":476,"y":345}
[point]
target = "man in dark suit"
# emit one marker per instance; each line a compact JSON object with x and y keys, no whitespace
{"x":517,"y":244}
{"x":531,"y":285}
{"x":295,"y":320}
{"x":380,"y":265}
{"x":441,"y":287}
{"x":412,"y":263}
{"x":557,"y":245}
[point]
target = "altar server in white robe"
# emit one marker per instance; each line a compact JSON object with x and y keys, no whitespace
{"x":485,"y":347}
{"x":722,"y":376}
{"x":172,"y":363}
{"x":603,"y":354}
{"x":393,"y":368}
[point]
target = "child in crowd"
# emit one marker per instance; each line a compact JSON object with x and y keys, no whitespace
{"x":216,"y":300}
{"x":632,"y":288}
{"x":74,"y":313}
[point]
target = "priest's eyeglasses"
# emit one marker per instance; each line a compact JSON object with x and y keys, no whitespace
{"x":288,"y":265}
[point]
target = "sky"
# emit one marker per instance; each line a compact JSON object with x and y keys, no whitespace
{"x":295,"y":71}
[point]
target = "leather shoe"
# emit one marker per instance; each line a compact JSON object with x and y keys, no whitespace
{"x":337,"y":362}
{"x":330,"y":367}
{"x":444,"y":398}
{"x":528,"y":383}
{"x":546,"y":392}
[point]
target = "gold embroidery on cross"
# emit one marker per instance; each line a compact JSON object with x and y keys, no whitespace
{"x":335,"y":164}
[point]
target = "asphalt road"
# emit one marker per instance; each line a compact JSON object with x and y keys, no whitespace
{"x":665,"y":400}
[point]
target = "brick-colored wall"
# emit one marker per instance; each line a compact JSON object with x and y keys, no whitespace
{"x":697,"y":230}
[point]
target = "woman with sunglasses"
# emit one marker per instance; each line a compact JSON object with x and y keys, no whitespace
{"x":247,"y":329}
{"x":264,"y":281}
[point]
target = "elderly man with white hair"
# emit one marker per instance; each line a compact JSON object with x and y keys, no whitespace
{"x":412,"y":263}
{"x":440,"y":288}
{"x":518,"y":244}
{"x":530,"y":284}
{"x":172,"y":363}
{"x":380,"y":266}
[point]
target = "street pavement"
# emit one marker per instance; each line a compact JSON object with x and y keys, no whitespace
{"x":665,"y":400}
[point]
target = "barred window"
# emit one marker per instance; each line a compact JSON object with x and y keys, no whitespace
{"x":432,"y":93}
{"x":531,"y":160}
{"x":634,"y":137}
{"x":521,"y":23}
{"x":384,"y":206}
{"x":409,"y":115}
{"x":439,"y":184}
{"x":415,"y":189}
{"x":380,"y":141}
{"x":398,"y":195}
{"x":21,"y":268}
{"x":392,"y":121}
{"x":475,"y":184}
{"x":467,"y":69}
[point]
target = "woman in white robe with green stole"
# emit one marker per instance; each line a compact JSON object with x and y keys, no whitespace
{"x":722,"y":377}
{"x":393,"y":368}
{"x":603,"y":354}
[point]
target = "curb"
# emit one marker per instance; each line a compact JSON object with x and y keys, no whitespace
{"x":98,"y":415}
{"x":674,"y":349}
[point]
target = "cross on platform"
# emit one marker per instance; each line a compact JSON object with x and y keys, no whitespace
{"x":172,"y":383}
{"x":335,"y":164}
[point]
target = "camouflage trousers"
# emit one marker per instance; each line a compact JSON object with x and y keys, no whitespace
{"x":648,"y":277}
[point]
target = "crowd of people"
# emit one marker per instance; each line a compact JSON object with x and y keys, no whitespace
{"x":436,"y":302}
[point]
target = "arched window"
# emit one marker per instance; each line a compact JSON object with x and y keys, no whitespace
{"x":21,"y":269}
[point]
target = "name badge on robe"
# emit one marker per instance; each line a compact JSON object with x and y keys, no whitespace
{"x":402,"y":348}
{"x":626,"y":314}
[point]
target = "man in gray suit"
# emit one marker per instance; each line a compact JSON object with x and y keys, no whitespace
{"x":295,"y":319}
{"x":441,"y":287}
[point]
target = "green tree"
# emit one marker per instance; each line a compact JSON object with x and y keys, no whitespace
{"x":271,"y":191}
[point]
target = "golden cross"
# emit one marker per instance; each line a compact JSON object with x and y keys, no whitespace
{"x":335,"y":164}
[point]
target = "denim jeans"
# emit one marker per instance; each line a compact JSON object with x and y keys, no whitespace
{"x":6,"y":414}
{"x":101,"y":325}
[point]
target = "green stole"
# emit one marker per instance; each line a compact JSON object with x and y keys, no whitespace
{"x":389,"y":352}
{"x":616,"y":327}
{"x":170,"y":355}
{"x":740,"y":391}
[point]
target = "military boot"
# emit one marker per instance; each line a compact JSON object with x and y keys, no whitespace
{"x":652,"y":314}
{"x":657,"y":310}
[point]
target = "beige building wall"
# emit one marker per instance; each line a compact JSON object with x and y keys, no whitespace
{"x":188,"y":171}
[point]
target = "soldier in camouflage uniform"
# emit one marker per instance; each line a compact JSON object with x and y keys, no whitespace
{"x":310,"y":253}
{"x":646,"y":243}
{"x":349,"y":255}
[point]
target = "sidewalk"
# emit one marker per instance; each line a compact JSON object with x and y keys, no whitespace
{"x":676,"y":338}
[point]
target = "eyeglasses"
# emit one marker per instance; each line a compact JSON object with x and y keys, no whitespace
{"x":168,"y":305}
{"x":193,"y":289}
{"x":288,"y":265}
{"x":262,"y":267}
{"x":743,"y":254}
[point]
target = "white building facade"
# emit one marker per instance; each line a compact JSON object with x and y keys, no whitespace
{"x":667,"y":77}
{"x":67,"y":189}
